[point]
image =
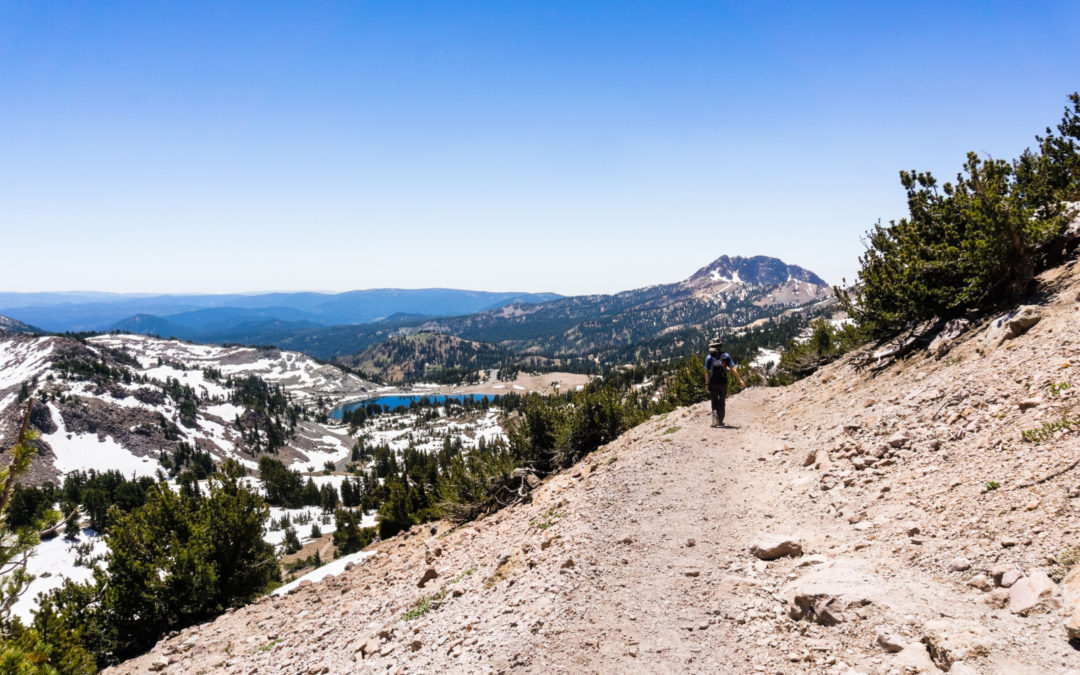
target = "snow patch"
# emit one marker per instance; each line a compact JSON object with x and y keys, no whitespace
{"x":335,"y":567}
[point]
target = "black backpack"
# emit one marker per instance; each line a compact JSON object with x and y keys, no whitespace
{"x":718,"y":372}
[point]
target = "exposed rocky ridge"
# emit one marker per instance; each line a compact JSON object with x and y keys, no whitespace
{"x":848,"y":523}
{"x":732,"y":276}
{"x":9,"y":325}
{"x":99,"y":419}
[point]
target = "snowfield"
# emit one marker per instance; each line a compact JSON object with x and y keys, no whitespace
{"x":51,"y":563}
{"x":22,"y":359}
{"x":335,"y":567}
{"x":766,"y":359}
{"x":83,"y":452}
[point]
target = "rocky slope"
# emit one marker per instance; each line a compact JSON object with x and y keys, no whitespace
{"x":425,"y":355}
{"x":9,"y":325}
{"x":773,"y":280}
{"x":878,"y":521}
{"x":119,"y":401}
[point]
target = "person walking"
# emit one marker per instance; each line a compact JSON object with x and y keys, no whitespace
{"x":717,"y":365}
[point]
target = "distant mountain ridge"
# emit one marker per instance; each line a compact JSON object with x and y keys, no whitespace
{"x":647,"y":323}
{"x":205,"y":314}
{"x":533,"y":330}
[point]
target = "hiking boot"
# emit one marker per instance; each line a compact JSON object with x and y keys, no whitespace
{"x":715,"y":420}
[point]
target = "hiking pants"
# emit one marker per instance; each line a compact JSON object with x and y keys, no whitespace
{"x":718,"y":398}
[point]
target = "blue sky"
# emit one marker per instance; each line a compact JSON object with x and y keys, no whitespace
{"x":547,"y":146}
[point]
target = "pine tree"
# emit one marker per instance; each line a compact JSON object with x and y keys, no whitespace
{"x":26,"y":650}
{"x":971,"y":243}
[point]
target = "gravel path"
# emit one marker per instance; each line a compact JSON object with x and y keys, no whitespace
{"x":638,"y":560}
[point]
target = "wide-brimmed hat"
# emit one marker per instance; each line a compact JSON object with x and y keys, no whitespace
{"x":716,"y":344}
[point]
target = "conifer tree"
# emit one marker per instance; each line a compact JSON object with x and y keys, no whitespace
{"x":971,"y":243}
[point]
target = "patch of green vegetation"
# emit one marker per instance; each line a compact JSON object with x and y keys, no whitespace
{"x":1065,"y":563}
{"x":268,"y":646}
{"x":991,"y":485}
{"x":1048,"y":429}
{"x":969,"y":243}
{"x":671,"y":430}
{"x":467,"y":573}
{"x":1056,"y":388}
{"x":550,"y":517}
{"x":423,"y":606}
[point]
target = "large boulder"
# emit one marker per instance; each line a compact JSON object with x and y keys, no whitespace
{"x":1013,"y":324}
{"x":1031,"y":591}
{"x":773,"y":546}
{"x":831,"y":592}
{"x":952,"y":640}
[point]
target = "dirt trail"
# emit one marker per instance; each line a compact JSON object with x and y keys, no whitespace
{"x":635,"y":561}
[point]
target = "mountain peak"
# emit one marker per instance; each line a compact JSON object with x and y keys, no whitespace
{"x":757,"y":270}
{"x":736,"y":275}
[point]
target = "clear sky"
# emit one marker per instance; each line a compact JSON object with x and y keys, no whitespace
{"x":539,"y":146}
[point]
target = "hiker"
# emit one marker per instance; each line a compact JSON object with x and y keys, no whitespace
{"x":717,"y":365}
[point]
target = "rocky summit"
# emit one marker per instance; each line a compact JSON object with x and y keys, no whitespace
{"x":907,"y":516}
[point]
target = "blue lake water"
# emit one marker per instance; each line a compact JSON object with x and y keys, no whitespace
{"x":404,"y":401}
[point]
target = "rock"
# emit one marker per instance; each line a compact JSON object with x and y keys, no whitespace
{"x":429,"y":574}
{"x":959,"y":564}
{"x":1009,"y":578}
{"x":946,"y":339}
{"x":370,"y":647}
{"x":998,"y":598}
{"x":832,"y":592}
{"x":771,"y":547}
{"x":914,"y":659}
{"x":981,"y":582}
{"x":1070,"y":593}
{"x":997,"y":572}
{"x":899,"y":439}
{"x":951,"y":640}
{"x":1023,"y":319}
{"x":415,"y":645}
{"x":567,"y":564}
{"x":861,"y":463}
{"x":810,"y":458}
{"x":890,"y":643}
{"x":1029,"y":403}
{"x":1030,"y":591}
{"x":160,"y":663}
{"x":1013,"y":324}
